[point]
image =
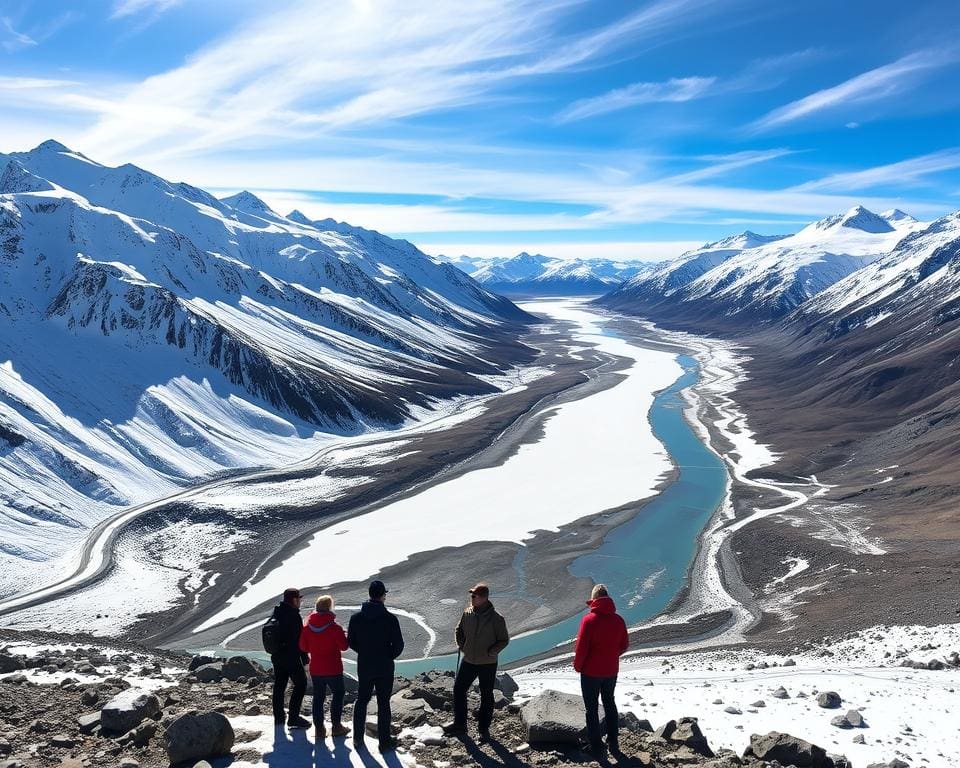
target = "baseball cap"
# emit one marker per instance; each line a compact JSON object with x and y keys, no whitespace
{"x":377,"y":589}
{"x":480,"y":589}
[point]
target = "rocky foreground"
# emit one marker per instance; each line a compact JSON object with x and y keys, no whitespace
{"x":81,"y":706}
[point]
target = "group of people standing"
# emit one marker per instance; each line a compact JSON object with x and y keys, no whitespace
{"x":374,"y":633}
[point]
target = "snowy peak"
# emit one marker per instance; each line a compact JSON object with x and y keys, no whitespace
{"x":744,"y":240}
{"x":51,"y":145}
{"x":857,"y":217}
{"x":299,"y":217}
{"x":898,"y":218}
{"x":247,"y":202}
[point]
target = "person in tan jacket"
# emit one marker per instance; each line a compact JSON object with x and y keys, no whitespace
{"x":481,"y":634}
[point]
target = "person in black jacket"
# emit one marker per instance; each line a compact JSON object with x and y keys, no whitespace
{"x":374,"y":633}
{"x":288,"y":663}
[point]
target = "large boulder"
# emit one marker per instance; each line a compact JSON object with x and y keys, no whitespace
{"x":686,"y":732}
{"x":209,"y":673}
{"x":10,"y":663}
{"x":240,"y":666}
{"x":829,"y":699}
{"x":198,"y":735}
{"x":201,"y":660}
{"x":630,"y":722}
{"x":405,"y":709}
{"x":787,"y":750}
{"x":127,"y":710}
{"x":506,"y":684}
{"x":554,"y":718}
{"x":435,"y":691}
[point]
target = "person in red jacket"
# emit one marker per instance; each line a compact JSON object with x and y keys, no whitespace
{"x":324,"y":640}
{"x":601,"y":641}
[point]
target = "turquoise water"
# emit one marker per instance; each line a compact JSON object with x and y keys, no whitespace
{"x":643,"y":562}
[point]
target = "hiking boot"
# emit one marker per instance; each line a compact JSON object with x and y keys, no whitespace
{"x":320,"y":729}
{"x":453,"y":728}
{"x":388,"y":744}
{"x":298,"y":722}
{"x":338,"y":730}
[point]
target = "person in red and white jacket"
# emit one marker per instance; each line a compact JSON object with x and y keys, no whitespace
{"x":601,"y":641}
{"x":325,"y":640}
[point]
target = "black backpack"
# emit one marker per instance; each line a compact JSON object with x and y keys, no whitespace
{"x":271,"y":635}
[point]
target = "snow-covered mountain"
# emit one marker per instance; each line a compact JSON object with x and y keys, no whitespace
{"x":535,"y":274}
{"x":151,"y":333}
{"x":869,"y":370}
{"x":749,"y":279}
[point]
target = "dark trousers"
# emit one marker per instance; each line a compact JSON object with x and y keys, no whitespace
{"x":593,"y":688}
{"x":487,"y":674}
{"x":320,"y":683}
{"x":383,"y":685}
{"x":285,"y":671}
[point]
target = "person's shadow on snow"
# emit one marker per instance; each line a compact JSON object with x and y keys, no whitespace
{"x":289,"y":749}
{"x":339,"y":757}
{"x":502,"y":757}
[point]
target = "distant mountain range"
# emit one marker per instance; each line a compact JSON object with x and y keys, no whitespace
{"x":749,"y":278}
{"x":851,"y":329}
{"x":151,"y":333}
{"x":537,"y":275}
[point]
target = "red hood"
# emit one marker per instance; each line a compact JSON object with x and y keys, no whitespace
{"x":321,"y":619}
{"x":602,"y":605}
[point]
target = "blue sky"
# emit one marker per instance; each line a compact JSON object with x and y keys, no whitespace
{"x":627,"y":129}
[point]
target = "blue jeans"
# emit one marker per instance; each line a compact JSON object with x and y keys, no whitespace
{"x":320,"y":684}
{"x":593,"y":688}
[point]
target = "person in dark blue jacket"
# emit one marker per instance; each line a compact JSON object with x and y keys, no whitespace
{"x":374,"y":633}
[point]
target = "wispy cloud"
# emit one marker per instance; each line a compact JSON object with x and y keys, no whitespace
{"x":673,"y":90}
{"x":124,"y":8}
{"x":11,"y":39}
{"x":898,"y":174}
{"x":727,"y":163}
{"x":876,"y":84}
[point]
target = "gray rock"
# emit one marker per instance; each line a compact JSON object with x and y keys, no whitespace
{"x":759,"y":703}
{"x":63,"y":741}
{"x":630,"y":722}
{"x":435,"y":692}
{"x":855,"y":718}
{"x":128,"y":762}
{"x":405,"y":708}
{"x":200,"y":661}
{"x":858,"y":739}
{"x":240,"y":666}
{"x":202,"y":764}
{"x":210,"y":673}
{"x":198,"y":735}
{"x":553,"y":717}
{"x":506,"y":684}
{"x":89,"y":724}
{"x":840,"y":721}
{"x":17,"y":679}
{"x":895,"y":763}
{"x":127,"y":710}
{"x":787,"y":750}
{"x":685,"y":732}
{"x":789,"y":663}
{"x":89,"y":697}
{"x":829,"y":699}
{"x":781,"y":693}
{"x":10,"y":663}
{"x":732,"y":711}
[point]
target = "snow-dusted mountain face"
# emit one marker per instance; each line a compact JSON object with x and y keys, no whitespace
{"x":151,"y":333}
{"x":538,"y":275}
{"x":747,"y":279}
{"x":892,"y":324}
